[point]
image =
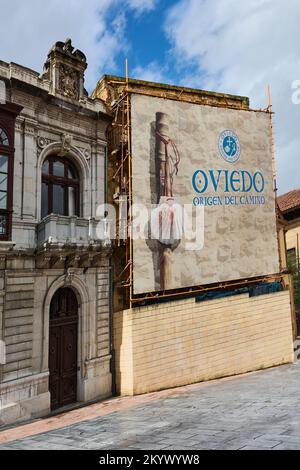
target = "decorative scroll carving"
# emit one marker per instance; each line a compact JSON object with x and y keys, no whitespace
{"x":42,"y":142}
{"x":66,"y":145}
{"x":85,"y":152}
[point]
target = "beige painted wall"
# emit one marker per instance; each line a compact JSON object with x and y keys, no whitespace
{"x":183,"y":342}
{"x":293,"y":229}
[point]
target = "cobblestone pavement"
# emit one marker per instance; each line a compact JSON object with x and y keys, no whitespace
{"x":256,"y":411}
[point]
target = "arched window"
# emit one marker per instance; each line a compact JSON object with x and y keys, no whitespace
{"x":6,"y":171}
{"x":8,"y":115}
{"x":63,"y":304}
{"x":3,"y":137}
{"x":60,"y":187}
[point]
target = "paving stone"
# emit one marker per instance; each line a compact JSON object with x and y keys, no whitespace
{"x":254,"y":448}
{"x":287,"y":446}
{"x":258,"y":411}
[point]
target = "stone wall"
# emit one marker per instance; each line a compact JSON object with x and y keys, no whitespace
{"x":25,"y":297}
{"x":18,"y":325}
{"x":182,"y":342}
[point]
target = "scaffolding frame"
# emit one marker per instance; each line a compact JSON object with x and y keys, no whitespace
{"x":121,"y":138}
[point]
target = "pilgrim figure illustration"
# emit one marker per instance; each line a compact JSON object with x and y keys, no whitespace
{"x":167,"y":217}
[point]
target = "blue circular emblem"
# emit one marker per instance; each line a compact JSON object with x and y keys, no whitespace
{"x":229,"y":146}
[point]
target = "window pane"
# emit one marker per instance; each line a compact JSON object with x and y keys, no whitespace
{"x":3,"y":200}
{"x":45,"y":206}
{"x":3,"y":137}
{"x":58,"y":199}
{"x":58,"y":169}
{"x":72,"y":201}
{"x":3,"y":224}
{"x":3,"y":182}
{"x":3,"y":164}
{"x":72,"y":173}
{"x":45,"y":167}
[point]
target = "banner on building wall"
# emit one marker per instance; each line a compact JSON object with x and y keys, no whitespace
{"x":203,"y":199}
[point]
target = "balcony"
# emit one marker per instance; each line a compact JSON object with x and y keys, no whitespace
{"x":72,"y":240}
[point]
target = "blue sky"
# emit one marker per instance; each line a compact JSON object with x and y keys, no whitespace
{"x":222,"y":45}
{"x":146,"y":47}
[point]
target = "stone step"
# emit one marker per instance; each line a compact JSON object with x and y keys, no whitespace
{"x":12,"y":413}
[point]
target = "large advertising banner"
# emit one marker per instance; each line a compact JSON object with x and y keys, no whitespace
{"x":202,"y":195}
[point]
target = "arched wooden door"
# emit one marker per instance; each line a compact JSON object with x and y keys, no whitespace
{"x":63,"y":348}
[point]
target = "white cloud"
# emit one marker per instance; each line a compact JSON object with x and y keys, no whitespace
{"x":29,"y":28}
{"x":153,"y":72}
{"x":142,"y":5}
{"x":239,"y":47}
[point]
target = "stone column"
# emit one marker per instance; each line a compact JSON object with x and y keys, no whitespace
{"x":30,"y":159}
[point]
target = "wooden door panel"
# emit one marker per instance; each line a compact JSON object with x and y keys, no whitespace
{"x":69,"y":389}
{"x":63,"y":348}
{"x":69,"y":348}
{"x":54,"y":388}
{"x":54,"y":365}
{"x":54,"y":350}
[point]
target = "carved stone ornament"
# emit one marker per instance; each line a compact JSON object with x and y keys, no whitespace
{"x":69,"y":277}
{"x":68,"y":82}
{"x":85,"y":152}
{"x":66,"y":145}
{"x":67,"y":47}
{"x":42,"y":142}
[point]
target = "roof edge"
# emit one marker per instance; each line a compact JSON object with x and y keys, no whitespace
{"x":156,"y":85}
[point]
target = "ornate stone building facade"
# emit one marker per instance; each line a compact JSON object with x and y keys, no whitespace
{"x":54,"y":249}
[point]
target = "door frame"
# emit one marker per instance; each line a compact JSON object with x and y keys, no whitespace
{"x":86,"y":327}
{"x":57,"y":324}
